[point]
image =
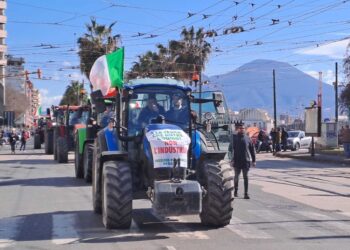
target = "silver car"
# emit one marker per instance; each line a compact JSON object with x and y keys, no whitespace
{"x":297,"y":139}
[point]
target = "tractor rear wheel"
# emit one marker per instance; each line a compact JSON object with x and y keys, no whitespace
{"x":37,"y":144}
{"x":48,"y":142}
{"x":218,"y":200}
{"x":87,"y":161}
{"x":96,"y":187}
{"x":54,"y":144}
{"x":62,"y":150}
{"x":78,"y":160}
{"x":116,"y":195}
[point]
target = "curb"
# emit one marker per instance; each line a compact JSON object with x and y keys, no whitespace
{"x":315,"y":158}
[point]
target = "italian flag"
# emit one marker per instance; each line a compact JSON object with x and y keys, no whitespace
{"x":38,"y":111}
{"x":107,"y":71}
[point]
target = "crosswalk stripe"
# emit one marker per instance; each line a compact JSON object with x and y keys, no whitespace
{"x":63,"y":231}
{"x":183,"y":231}
{"x":245,"y":230}
{"x":327,"y":221}
{"x":8,"y":230}
{"x":295,"y":226}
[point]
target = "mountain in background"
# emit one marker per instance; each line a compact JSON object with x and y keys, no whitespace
{"x":251,"y":86}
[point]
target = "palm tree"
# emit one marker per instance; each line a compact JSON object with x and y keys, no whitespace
{"x":73,"y":94}
{"x":191,"y":52}
{"x":96,"y":42}
{"x":179,"y":59}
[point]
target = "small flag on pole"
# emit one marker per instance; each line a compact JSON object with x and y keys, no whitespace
{"x":107,"y":71}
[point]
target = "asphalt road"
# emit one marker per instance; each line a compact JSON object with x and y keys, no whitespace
{"x":294,"y":205}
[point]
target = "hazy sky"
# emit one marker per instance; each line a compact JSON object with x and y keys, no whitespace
{"x":312,"y":35}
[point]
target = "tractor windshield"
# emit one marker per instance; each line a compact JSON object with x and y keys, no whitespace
{"x":146,"y":104}
{"x":78,"y":117}
{"x":220,"y":116}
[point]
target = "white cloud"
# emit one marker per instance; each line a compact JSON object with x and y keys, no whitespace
{"x":46,"y":100}
{"x":67,"y":64}
{"x":336,"y":50}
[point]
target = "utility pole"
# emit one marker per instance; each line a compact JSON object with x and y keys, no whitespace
{"x":336,"y":92}
{"x":274,"y":100}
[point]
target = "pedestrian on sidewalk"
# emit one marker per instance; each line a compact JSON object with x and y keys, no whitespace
{"x":13,"y":138}
{"x":24,"y":138}
{"x":278,"y":140}
{"x":242,"y":154}
{"x":273,"y":139}
{"x":284,"y":137}
{"x":345,"y":136}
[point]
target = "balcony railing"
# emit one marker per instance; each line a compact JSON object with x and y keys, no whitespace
{"x":3,"y":19}
{"x":3,"y":34}
{"x":3,"y":5}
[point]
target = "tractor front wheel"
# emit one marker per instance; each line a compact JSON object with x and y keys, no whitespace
{"x":62,"y":150}
{"x":78,"y":160}
{"x":218,"y":200}
{"x":37,"y":143}
{"x":87,"y":162}
{"x":116,"y":195}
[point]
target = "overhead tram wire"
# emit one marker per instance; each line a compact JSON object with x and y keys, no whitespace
{"x":322,"y":10}
{"x":180,"y":20}
{"x":283,"y":18}
{"x":252,"y":42}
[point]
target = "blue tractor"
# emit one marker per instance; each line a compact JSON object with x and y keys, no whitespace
{"x":167,"y":144}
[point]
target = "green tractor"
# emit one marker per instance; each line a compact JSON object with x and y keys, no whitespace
{"x":84,"y":139}
{"x":69,"y":119}
{"x":158,"y":148}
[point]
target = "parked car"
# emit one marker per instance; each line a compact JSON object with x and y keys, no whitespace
{"x":297,"y":139}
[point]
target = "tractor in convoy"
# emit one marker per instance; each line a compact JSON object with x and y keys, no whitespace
{"x":39,"y":132}
{"x":85,"y":135}
{"x":167,"y":144}
{"x":67,"y":120}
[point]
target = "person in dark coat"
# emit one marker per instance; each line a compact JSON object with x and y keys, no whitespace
{"x":242,"y":154}
{"x":273,"y":139}
{"x":13,"y":138}
{"x":284,"y":137}
{"x":150,"y":111}
{"x":178,"y":114}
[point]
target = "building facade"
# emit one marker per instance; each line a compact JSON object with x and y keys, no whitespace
{"x":253,"y":117}
{"x":3,"y":49}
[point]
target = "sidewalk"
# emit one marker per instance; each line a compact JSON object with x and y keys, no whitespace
{"x":320,"y":156}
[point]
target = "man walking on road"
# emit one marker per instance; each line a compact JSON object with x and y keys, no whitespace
{"x":242,"y":154}
{"x":345,"y":137}
{"x":284,"y":137}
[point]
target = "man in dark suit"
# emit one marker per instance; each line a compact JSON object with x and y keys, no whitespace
{"x":242,"y":155}
{"x":178,"y":114}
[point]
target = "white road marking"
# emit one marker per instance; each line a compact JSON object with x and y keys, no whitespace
{"x":63,"y":231}
{"x":8,"y":230}
{"x":245,"y":230}
{"x":295,"y":226}
{"x":170,"y":248}
{"x":327,"y":221}
{"x":181,"y":230}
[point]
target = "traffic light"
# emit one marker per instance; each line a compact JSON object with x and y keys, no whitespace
{"x":39,"y":73}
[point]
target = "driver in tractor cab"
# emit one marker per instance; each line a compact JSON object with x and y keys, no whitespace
{"x":152,"y":110}
{"x":178,"y":113}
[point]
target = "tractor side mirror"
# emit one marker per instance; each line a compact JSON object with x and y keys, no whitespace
{"x":48,"y":111}
{"x":97,"y":100}
{"x":218,"y":103}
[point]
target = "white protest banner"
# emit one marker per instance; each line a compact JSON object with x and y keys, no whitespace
{"x":167,"y":145}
